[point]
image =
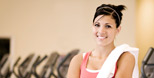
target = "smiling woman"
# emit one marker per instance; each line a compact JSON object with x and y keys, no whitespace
{"x":106,"y":60}
{"x":105,"y":29}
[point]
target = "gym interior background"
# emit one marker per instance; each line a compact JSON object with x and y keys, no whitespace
{"x":45,"y":26}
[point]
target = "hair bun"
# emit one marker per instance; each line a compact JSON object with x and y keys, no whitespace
{"x":121,"y":7}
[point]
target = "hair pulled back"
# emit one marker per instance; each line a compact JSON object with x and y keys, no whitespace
{"x":109,"y":9}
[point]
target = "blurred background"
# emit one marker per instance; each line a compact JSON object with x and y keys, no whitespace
{"x":45,"y":26}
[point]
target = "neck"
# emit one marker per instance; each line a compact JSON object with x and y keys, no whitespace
{"x":103,"y":51}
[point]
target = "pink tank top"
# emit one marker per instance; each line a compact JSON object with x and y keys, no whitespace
{"x":86,"y":74}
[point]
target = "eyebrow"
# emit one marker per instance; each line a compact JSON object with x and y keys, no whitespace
{"x":99,"y":23}
{"x":108,"y":23}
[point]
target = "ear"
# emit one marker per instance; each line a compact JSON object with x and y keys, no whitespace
{"x":118,"y":29}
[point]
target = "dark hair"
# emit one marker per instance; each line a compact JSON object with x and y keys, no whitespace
{"x":109,"y":9}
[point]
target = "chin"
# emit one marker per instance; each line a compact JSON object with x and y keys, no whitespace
{"x":101,"y":44}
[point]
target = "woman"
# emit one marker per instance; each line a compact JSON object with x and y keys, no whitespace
{"x":106,"y":25}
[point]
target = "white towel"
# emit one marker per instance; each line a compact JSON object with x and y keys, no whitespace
{"x":109,"y":65}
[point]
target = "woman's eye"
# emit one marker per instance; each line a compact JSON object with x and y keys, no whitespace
{"x":108,"y":26}
{"x":97,"y":25}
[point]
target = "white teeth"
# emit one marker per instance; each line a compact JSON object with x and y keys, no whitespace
{"x":101,"y":37}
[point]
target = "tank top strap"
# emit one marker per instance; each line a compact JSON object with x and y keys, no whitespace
{"x":85,"y":58}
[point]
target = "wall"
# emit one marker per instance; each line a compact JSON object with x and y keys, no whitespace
{"x":44,"y":26}
{"x":145,"y":27}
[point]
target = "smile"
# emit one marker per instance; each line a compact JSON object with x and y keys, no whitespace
{"x":101,"y":38}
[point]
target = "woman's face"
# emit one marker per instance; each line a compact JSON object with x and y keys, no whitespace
{"x":104,"y":29}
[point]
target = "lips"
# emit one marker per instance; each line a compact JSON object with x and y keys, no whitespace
{"x":101,"y":37}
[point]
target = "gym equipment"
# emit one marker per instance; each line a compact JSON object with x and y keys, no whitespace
{"x":24,"y":69}
{"x":36,"y":64}
{"x":4,"y":66}
{"x":64,"y":64}
{"x":48,"y":69}
{"x":147,"y":68}
{"x":13,"y":69}
{"x":27,"y":68}
{"x":29,"y":65}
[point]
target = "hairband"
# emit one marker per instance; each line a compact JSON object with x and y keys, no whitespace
{"x":113,"y":10}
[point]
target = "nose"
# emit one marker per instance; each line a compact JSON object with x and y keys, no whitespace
{"x":102,"y":30}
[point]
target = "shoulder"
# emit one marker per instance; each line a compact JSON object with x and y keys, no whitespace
{"x":77,"y":58}
{"x":74,"y":67}
{"x":126,"y":62}
{"x":125,"y":58}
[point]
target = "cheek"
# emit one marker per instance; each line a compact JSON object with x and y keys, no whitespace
{"x":113,"y":34}
{"x":94,"y":30}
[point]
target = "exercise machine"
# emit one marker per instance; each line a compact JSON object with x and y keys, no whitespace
{"x":64,"y":64}
{"x":147,"y":68}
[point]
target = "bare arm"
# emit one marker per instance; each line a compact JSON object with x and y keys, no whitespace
{"x":126,"y":65}
{"x":74,"y":68}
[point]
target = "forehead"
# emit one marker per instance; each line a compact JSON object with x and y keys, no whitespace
{"x":105,"y":18}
